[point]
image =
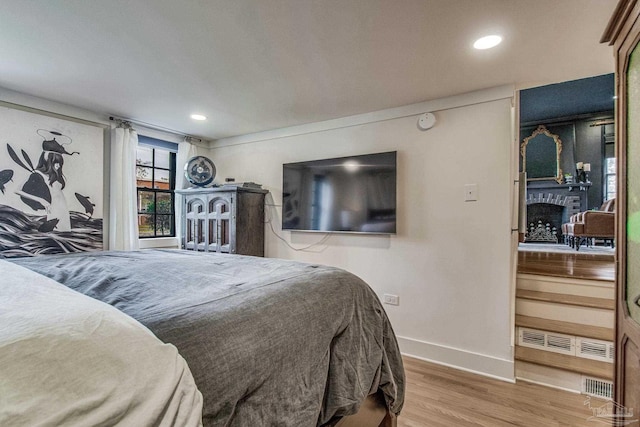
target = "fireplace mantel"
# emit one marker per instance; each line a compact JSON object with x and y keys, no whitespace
{"x":582,"y":186}
{"x":572,"y":198}
{"x":580,"y":189}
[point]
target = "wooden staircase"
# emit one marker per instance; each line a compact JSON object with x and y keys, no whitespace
{"x":568,"y":297}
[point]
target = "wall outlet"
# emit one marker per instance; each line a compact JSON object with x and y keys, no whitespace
{"x":391,"y":299}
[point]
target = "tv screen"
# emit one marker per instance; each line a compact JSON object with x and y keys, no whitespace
{"x":348,"y":194}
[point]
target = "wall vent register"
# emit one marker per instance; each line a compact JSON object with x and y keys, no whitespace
{"x":541,"y":340}
{"x":586,"y":348}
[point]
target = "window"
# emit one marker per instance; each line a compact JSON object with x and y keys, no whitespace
{"x":609,"y":166}
{"x":610,"y":178}
{"x":155,"y":182}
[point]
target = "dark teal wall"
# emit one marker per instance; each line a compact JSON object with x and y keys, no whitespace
{"x":581,"y":142}
{"x":568,"y":109}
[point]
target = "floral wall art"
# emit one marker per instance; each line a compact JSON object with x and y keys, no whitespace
{"x":51,"y":184}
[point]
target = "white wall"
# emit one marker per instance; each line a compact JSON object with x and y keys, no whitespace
{"x":450,"y":262}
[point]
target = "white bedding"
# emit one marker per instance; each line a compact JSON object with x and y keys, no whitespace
{"x":69,"y":360}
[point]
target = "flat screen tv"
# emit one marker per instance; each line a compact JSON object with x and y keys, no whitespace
{"x":354,"y":194}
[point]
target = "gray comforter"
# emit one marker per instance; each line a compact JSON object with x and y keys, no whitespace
{"x":269,"y":342}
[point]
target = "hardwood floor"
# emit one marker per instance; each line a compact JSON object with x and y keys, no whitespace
{"x":439,"y":396}
{"x":567,"y":264}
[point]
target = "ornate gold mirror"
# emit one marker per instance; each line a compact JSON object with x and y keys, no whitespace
{"x":541,"y":155}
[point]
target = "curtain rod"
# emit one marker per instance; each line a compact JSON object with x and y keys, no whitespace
{"x":121,"y":120}
{"x":603,"y":122}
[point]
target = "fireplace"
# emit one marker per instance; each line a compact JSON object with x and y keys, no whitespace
{"x":544,"y":222}
{"x":549,"y":205}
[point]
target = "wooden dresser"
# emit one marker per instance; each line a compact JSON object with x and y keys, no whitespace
{"x":227,"y":219}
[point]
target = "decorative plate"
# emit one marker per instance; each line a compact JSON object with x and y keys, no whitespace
{"x":200,"y":171}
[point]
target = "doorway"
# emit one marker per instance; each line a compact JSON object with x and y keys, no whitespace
{"x":565,"y":298}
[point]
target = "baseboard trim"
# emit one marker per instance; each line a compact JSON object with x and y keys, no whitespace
{"x":476,"y":363}
{"x":525,"y":379}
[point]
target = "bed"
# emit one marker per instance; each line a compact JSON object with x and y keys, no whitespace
{"x":268,"y":341}
{"x":69,"y":360}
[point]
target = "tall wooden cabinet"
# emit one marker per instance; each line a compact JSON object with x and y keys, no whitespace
{"x":623,"y":32}
{"x":225,"y":219}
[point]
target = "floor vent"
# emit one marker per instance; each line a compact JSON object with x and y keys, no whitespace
{"x":597,"y":387}
{"x":548,"y":341}
{"x":595,"y":349}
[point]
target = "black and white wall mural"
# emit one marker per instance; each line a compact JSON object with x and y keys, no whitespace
{"x":51,"y":185}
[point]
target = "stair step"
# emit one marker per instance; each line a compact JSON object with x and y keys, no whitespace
{"x":575,"y":265}
{"x":579,"y":365}
{"x":568,"y":328}
{"x":582,"y":301}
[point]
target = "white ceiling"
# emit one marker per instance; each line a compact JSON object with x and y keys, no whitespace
{"x":253,"y":65}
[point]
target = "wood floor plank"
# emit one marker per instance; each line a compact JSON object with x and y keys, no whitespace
{"x":567,"y":264}
{"x":580,"y":365}
{"x":581,"y":301}
{"x":440,"y":396}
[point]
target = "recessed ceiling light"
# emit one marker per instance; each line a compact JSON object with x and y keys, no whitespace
{"x":487,"y":42}
{"x":198,"y":117}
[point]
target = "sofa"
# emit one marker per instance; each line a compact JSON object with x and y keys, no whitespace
{"x":585,"y":227}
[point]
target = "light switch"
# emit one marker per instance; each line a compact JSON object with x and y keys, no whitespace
{"x":470,"y":192}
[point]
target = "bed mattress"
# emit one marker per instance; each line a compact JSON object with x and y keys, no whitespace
{"x":269,"y":341}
